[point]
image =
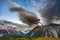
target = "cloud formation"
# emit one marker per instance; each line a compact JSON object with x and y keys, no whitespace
{"x":49,"y":10}
{"x":14,"y":4}
{"x":25,"y":15}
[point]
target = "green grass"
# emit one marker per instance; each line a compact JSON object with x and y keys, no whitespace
{"x":14,"y":38}
{"x":25,"y":38}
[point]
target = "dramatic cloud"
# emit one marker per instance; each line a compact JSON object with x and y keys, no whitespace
{"x":49,"y":10}
{"x":25,"y":15}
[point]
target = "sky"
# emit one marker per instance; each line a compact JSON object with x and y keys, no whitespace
{"x":5,"y":14}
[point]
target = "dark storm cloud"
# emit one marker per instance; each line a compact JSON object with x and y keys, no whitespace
{"x":24,"y":15}
{"x":16,"y":9}
{"x":51,"y":11}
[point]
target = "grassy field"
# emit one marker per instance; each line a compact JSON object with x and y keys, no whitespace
{"x":28,"y":38}
{"x":25,"y":38}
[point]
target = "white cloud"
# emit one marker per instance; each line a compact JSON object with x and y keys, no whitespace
{"x":14,"y":4}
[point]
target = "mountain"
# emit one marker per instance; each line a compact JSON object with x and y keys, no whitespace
{"x":10,"y":28}
{"x":50,"y":31}
{"x":18,"y":26}
{"x":5,"y":32}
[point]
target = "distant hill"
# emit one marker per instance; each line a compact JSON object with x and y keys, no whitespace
{"x":4,"y":32}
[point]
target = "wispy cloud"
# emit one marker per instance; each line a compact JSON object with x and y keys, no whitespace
{"x":39,"y":4}
{"x":14,"y":4}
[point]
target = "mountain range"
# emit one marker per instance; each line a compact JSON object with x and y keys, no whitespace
{"x":10,"y":28}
